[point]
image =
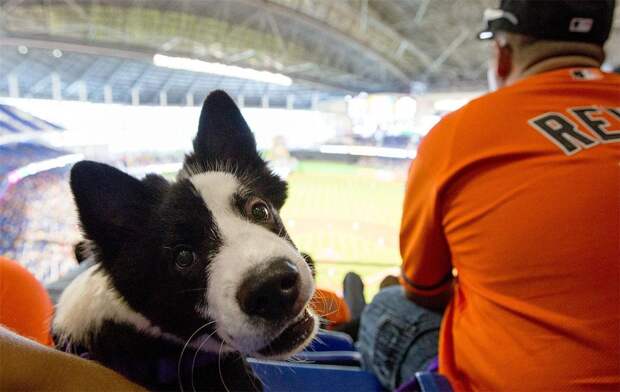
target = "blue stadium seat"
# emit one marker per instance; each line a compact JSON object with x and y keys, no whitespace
{"x":331,"y":341}
{"x":426,"y":382}
{"x":298,"y":377}
{"x":331,"y":348}
{"x":432,"y":382}
{"x":343,"y":358}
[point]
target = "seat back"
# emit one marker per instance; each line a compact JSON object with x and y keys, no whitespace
{"x":331,"y":341}
{"x":432,"y":382}
{"x":426,"y":382}
{"x":343,"y":358}
{"x":299,"y":377}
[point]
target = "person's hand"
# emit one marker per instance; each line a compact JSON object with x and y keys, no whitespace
{"x":29,"y":366}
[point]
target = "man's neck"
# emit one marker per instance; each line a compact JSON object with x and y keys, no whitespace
{"x":551,"y":64}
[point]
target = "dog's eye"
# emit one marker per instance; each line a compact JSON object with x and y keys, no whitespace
{"x":258,"y":210}
{"x":184,"y":256}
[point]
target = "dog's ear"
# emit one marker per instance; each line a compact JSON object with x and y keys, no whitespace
{"x":113,"y":206}
{"x":223,"y":135}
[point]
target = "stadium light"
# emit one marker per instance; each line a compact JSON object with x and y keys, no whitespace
{"x":234,"y":71}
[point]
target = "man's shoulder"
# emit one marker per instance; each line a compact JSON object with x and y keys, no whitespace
{"x":508,"y":100}
{"x":534,"y":84}
{"x":475,"y":110}
{"x":473,"y":119}
{"x":486,"y":103}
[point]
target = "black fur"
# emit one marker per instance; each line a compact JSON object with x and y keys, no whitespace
{"x":134,"y":227}
{"x":154,"y":363}
{"x":225,"y":140}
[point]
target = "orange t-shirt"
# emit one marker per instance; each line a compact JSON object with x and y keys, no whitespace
{"x":519,"y":191}
{"x":330,"y":307}
{"x":25,"y":307}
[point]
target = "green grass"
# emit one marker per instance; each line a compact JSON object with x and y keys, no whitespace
{"x":347,"y":217}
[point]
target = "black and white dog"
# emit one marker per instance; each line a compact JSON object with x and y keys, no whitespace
{"x":190,"y":276}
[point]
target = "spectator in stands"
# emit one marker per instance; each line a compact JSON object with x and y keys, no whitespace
{"x":38,"y":223}
{"x":24,"y":305}
{"x":518,"y":191}
{"x":28,"y":361}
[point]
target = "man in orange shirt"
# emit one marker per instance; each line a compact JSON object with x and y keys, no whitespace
{"x":512,"y":217}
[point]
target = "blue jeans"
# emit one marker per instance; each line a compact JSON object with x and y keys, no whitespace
{"x":397,"y":337}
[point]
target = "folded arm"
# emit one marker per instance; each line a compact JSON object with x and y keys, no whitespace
{"x":29,"y":366}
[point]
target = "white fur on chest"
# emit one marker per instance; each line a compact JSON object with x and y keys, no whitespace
{"x":91,"y":299}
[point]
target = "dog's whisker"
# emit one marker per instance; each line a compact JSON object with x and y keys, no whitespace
{"x":319,"y":340}
{"x":329,"y":313}
{"x":251,"y":377}
{"x":281,"y":231}
{"x":196,"y":356}
{"x":296,"y":359}
{"x":219,"y":367}
{"x":183,"y":351}
{"x":190,"y":290}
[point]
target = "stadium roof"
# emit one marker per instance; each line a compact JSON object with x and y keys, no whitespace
{"x":103,"y":50}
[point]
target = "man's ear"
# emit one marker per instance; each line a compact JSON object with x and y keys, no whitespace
{"x":504,"y":62}
{"x":113,"y":206}
{"x":223,"y":135}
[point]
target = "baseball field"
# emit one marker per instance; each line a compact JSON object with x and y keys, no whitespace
{"x":347,"y":218}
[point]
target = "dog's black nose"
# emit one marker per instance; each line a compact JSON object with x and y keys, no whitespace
{"x":271,"y":292}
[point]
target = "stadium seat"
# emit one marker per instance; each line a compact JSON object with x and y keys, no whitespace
{"x":299,"y":377}
{"x":432,"y":382}
{"x":343,"y":358}
{"x":337,"y":348}
{"x":331,"y":341}
{"x":331,"y":348}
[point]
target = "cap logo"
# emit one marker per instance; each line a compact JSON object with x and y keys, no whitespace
{"x":580,"y":25}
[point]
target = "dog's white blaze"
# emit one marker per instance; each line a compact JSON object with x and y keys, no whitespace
{"x":90,"y":299}
{"x":245,"y":245}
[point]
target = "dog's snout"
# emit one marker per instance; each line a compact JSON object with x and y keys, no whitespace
{"x":271,"y":292}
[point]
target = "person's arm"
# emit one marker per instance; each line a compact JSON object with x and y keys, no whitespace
{"x":427,"y":265}
{"x":29,"y":366}
{"x":437,"y":302}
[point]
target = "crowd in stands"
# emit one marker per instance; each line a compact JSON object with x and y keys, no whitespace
{"x":39,"y":224}
{"x":15,"y":155}
{"x":378,"y":139}
{"x":38,"y":221}
{"x":138,"y":159}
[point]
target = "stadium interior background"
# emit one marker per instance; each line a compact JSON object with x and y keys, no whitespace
{"x":338,"y":93}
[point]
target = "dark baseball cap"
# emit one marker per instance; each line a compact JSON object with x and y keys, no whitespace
{"x":562,"y":20}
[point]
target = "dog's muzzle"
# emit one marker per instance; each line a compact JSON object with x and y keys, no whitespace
{"x":272,"y":292}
